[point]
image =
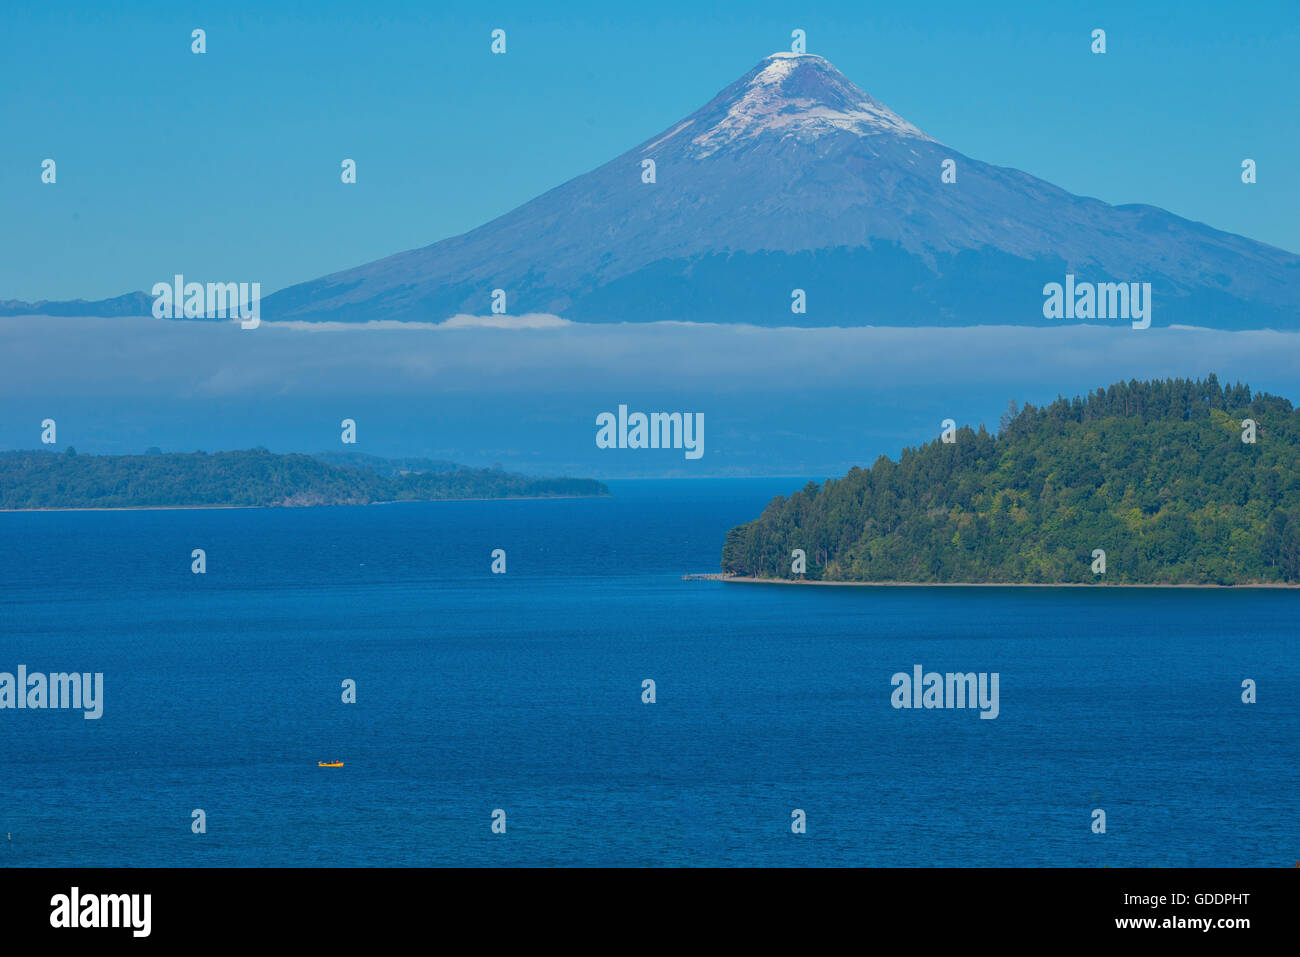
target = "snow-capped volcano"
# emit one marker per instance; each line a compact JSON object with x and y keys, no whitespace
{"x":794,"y":178}
{"x":790,"y":94}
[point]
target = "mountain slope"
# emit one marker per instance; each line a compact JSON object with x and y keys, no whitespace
{"x":792,"y":177}
{"x":1155,"y":474}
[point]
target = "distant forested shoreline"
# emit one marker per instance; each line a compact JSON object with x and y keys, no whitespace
{"x":1173,"y":481}
{"x":45,"y":479}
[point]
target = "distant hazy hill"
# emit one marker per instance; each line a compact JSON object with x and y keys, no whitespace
{"x":1154,"y":473}
{"x":44,"y":479}
{"x":131,"y":304}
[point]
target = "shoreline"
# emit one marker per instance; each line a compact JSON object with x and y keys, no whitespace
{"x":749,"y":580}
{"x":163,"y":508}
{"x":126,"y":508}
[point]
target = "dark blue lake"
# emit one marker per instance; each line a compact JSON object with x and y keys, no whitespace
{"x":522,"y":692}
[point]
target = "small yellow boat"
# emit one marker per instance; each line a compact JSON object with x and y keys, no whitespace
{"x":329,"y":764}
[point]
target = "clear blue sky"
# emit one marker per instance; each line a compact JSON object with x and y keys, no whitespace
{"x":226,"y":166}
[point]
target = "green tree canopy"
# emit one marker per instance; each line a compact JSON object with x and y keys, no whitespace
{"x":1154,"y":473}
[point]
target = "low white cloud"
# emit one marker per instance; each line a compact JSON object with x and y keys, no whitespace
{"x":547,"y":353}
{"x":530,"y":320}
{"x":788,"y":401}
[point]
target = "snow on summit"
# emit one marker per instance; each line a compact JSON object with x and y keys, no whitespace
{"x":801,"y":95}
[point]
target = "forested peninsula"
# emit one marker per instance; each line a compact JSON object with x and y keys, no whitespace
{"x":48,"y":480}
{"x":1171,"y":482}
